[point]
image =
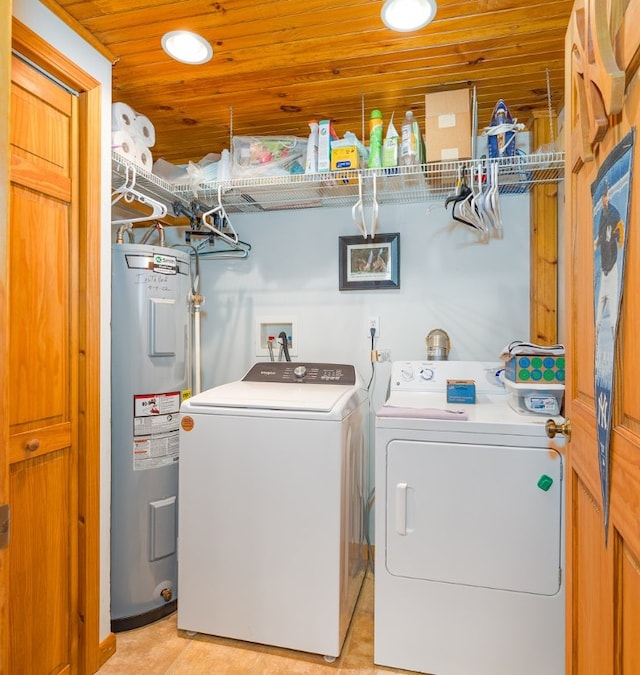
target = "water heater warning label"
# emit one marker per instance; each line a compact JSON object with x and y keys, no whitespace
{"x":155,"y":430}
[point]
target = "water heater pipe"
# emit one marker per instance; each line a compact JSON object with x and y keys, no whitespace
{"x":196,"y":302}
{"x":125,"y":227}
{"x":155,"y":227}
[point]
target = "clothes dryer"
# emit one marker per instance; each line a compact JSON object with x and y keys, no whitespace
{"x":271,"y":513}
{"x":469,"y":529}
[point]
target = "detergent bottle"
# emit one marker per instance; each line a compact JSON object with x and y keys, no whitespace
{"x":390,"y":146}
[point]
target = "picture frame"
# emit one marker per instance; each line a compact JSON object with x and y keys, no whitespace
{"x":369,"y":264}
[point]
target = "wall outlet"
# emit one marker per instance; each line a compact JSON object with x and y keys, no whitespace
{"x":374,"y":322}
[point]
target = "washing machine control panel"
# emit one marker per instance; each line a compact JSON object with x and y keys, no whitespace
{"x":432,"y":376}
{"x":301,"y":373}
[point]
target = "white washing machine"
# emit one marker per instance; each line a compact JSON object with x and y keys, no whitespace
{"x":469,"y":529}
{"x":271,"y":513}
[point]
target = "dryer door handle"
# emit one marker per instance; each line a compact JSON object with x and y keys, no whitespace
{"x":401,"y":508}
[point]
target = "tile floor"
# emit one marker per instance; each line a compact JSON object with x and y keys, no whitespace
{"x":160,"y":649}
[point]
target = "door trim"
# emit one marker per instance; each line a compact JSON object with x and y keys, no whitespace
{"x":45,"y":56}
{"x":5,"y":84}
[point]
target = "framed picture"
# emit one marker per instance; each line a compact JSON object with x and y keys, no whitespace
{"x":369,"y":264}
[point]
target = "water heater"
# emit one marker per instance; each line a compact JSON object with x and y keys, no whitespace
{"x":149,"y":359}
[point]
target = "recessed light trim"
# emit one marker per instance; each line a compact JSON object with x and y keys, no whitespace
{"x":405,"y":16}
{"x":187,"y":47}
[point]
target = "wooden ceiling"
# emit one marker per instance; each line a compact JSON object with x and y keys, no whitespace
{"x":279,"y":63}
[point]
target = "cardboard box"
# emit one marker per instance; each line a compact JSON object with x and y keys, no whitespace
{"x":448,"y":125}
{"x":325,"y":135}
{"x":461,"y":391}
{"x":535,"y":369}
{"x":344,"y":157}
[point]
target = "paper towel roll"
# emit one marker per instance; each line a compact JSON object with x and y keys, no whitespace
{"x":122,"y":142}
{"x":144,"y":130}
{"x":143,"y":156}
{"x":122,"y":117}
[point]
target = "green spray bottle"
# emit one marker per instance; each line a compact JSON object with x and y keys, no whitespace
{"x":375,"y":140}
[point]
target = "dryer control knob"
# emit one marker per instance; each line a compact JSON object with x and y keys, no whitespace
{"x":300,"y":371}
{"x":426,"y":373}
{"x":406,"y":374}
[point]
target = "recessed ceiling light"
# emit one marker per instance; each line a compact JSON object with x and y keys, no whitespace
{"x":187,"y":47}
{"x":408,"y":15}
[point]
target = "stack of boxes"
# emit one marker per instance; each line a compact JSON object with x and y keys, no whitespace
{"x":535,"y":383}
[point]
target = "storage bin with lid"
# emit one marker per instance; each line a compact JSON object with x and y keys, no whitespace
{"x":534,"y":399}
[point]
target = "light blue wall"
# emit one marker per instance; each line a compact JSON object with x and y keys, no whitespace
{"x":478,"y":293}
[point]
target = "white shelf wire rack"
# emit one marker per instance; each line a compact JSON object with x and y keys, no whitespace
{"x":401,"y":185}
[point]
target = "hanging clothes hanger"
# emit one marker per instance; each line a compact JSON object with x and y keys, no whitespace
{"x":462,"y":194}
{"x":219,"y":214}
{"x":129,"y":184}
{"x":127,"y":192}
{"x":158,"y":210}
{"x":240,"y":250}
{"x":374,"y":209}
{"x":494,"y":200}
{"x":477,"y":204}
{"x":357,"y":212}
{"x":462,"y":189}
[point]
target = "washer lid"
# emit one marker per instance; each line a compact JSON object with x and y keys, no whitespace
{"x":271,"y":396}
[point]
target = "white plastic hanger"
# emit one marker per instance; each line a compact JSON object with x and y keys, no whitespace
{"x":219,"y":209}
{"x":374,"y":210}
{"x":129,"y":194}
{"x":492,"y":205}
{"x":357,"y":212}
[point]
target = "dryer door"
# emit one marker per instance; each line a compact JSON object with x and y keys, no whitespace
{"x":475,"y":514}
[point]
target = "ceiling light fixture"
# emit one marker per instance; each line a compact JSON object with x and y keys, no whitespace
{"x":187,"y":47}
{"x":408,"y":15}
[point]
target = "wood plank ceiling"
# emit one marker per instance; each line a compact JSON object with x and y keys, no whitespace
{"x":280,"y":63}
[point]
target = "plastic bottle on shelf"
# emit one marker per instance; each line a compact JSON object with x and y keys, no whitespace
{"x":409,"y":141}
{"x":375,"y":140}
{"x":224,"y":171}
{"x":390,"y":146}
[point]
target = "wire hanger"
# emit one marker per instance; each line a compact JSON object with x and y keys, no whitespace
{"x":220,"y":215}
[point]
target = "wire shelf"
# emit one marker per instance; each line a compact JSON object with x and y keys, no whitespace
{"x":400,"y":185}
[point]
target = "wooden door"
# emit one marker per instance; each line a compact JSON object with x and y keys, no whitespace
{"x":603,"y":579}
{"x":49,"y":361}
{"x":42,"y":375}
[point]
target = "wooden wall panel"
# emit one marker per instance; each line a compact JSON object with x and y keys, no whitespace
{"x":544,"y":242}
{"x":592,"y":612}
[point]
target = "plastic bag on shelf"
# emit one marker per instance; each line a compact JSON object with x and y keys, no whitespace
{"x":263,"y":156}
{"x":204,"y":171}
